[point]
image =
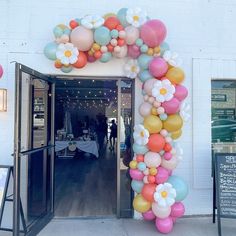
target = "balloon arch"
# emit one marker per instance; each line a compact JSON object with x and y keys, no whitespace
{"x":131,"y":33}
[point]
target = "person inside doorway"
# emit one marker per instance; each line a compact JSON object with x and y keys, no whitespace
{"x":113,"y":135}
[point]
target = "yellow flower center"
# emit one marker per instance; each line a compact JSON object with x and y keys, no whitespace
{"x":135,"y":18}
{"x":164,"y":194}
{"x":142,"y":134}
{"x":68,"y":53}
{"x":163,"y":91}
{"x":133,"y":68}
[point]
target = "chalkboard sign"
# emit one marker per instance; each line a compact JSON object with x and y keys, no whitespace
{"x":225,"y":180}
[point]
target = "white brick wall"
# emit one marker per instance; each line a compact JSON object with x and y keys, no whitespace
{"x":196,"y":29}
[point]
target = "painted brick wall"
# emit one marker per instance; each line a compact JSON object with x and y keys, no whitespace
{"x":196,"y":29}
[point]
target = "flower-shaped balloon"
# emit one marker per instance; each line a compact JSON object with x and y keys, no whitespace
{"x":165,"y":195}
{"x":184,"y":111}
{"x":163,"y":90}
{"x":67,"y":53}
{"x":172,"y":58}
{"x":177,"y":151}
{"x":136,"y":17}
{"x":140,"y":135}
{"x":131,"y":68}
{"x":92,"y":21}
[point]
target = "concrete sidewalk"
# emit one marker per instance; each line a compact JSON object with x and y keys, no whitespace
{"x":196,"y":226}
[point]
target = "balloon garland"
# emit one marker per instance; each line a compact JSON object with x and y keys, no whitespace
{"x":131,"y":33}
{"x":1,"y":71}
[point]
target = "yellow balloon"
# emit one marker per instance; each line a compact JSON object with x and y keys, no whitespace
{"x":154,"y":111}
{"x":175,"y":75}
{"x":173,"y":123}
{"x":140,"y":204}
{"x":133,"y":164}
{"x":152,"y":171}
{"x":153,"y":124}
{"x":108,"y":15}
{"x":176,"y":134}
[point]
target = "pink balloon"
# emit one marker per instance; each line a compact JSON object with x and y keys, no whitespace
{"x":153,"y":33}
{"x":132,"y":34}
{"x":162,"y":175}
{"x":181,"y":92}
{"x":167,"y":155}
{"x":133,"y":51}
{"x":148,"y":86}
{"x":149,"y":215}
{"x":1,"y":71}
{"x":136,"y":174}
{"x":82,"y":38}
{"x":177,"y":210}
{"x":91,"y":58}
{"x":164,"y":226}
{"x":172,"y":106}
{"x":145,"y":109}
{"x":158,"y":67}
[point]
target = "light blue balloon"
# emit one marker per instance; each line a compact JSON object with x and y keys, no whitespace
{"x":140,"y":149}
{"x":144,"y":75}
{"x":164,"y":47}
{"x":139,"y":42}
{"x":102,"y":35}
{"x":144,"y":60}
{"x":78,"y":20}
{"x":58,"y":31}
{"x":142,"y":166}
{"x":163,"y":116}
{"x":66,"y":69}
{"x":180,"y":186}
{"x":50,"y":51}
{"x":137,"y":186}
{"x":144,"y":48}
{"x":114,"y":33}
{"x":106,"y":57}
{"x":121,"y":15}
{"x":67,"y":31}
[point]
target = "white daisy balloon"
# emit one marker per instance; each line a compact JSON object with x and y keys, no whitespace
{"x":136,"y":16}
{"x":177,"y":151}
{"x":172,"y":58}
{"x":163,"y":90}
{"x":67,"y":53}
{"x":92,"y":21}
{"x":140,"y":135}
{"x":131,"y":68}
{"x":165,"y":195}
{"x":184,"y":111}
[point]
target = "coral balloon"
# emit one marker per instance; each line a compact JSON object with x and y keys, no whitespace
{"x":152,"y":159}
{"x":82,"y":60}
{"x":158,"y":67}
{"x":82,"y":38}
{"x":162,"y":175}
{"x":153,"y":124}
{"x":145,"y":109}
{"x":175,"y":75}
{"x":149,"y":215}
{"x":111,"y":22}
{"x":132,"y":34}
{"x":156,"y":143}
{"x":170,"y":164}
{"x":164,"y":226}
{"x":177,"y":210}
{"x":148,"y":191}
{"x":136,"y":174}
{"x":160,"y":212}
{"x":173,"y":123}
{"x":172,"y":106}
{"x":180,"y":92}
{"x":153,"y":33}
{"x":140,"y":204}
{"x":148,"y":86}
{"x":73,"y":24}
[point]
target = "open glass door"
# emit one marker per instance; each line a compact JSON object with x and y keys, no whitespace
{"x":33,"y":150}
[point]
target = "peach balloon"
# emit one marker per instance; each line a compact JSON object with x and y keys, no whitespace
{"x":148,"y":86}
{"x":132,"y":34}
{"x":170,"y":164}
{"x":145,"y":109}
{"x":152,"y":159}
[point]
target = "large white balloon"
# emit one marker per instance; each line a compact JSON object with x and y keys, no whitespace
{"x":152,"y":159}
{"x":160,"y":212}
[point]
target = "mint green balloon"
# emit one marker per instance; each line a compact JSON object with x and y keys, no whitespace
{"x":137,"y":186}
{"x":144,"y":48}
{"x":102,"y":35}
{"x":58,"y":31}
{"x":140,"y":149}
{"x":106,"y":57}
{"x":66,"y":69}
{"x":144,"y":75}
{"x":144,"y":60}
{"x":121,"y":15}
{"x":114,"y":33}
{"x":50,"y":51}
{"x":164,"y":47}
{"x":139,"y":42}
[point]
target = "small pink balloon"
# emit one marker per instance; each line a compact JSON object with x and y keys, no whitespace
{"x":1,"y":71}
{"x":149,"y":215}
{"x":145,"y":109}
{"x":181,"y":92}
{"x":91,"y":58}
{"x":136,"y":174}
{"x":162,"y":175}
{"x":148,"y":86}
{"x":133,"y":51}
{"x":158,"y":67}
{"x":177,"y":210}
{"x":172,"y":106}
{"x":153,"y":33}
{"x":164,"y":226}
{"x":167,"y":155}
